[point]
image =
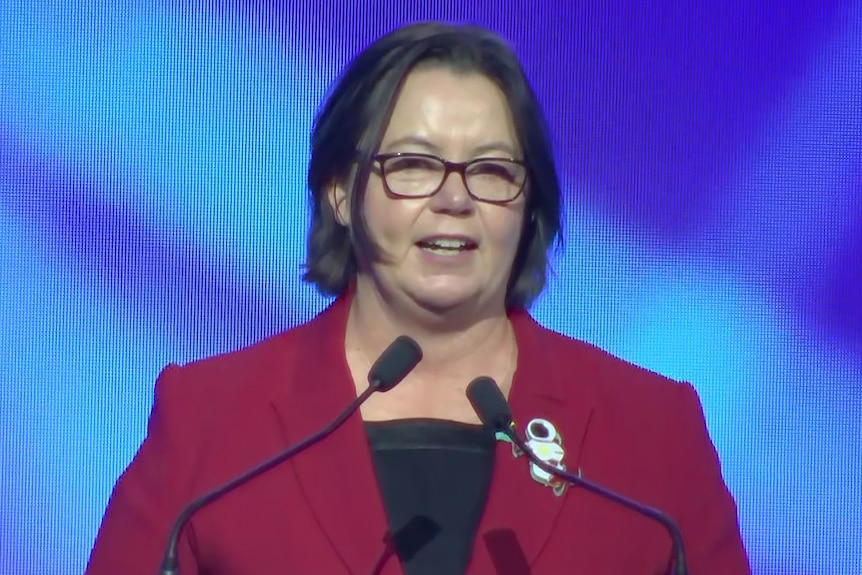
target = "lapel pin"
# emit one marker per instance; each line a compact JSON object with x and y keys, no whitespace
{"x":547,"y":444}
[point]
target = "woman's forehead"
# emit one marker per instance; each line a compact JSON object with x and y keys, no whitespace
{"x":439,"y":109}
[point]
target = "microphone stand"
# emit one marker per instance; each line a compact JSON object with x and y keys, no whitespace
{"x":169,"y":563}
{"x":393,"y":365}
{"x":680,"y":567}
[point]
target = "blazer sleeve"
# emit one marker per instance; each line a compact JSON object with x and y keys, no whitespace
{"x":708,"y":516}
{"x":153,"y":489}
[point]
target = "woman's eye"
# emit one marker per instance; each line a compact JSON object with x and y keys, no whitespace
{"x":413,"y":164}
{"x":493,"y":169}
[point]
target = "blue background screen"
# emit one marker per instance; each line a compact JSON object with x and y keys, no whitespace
{"x":153,"y":209}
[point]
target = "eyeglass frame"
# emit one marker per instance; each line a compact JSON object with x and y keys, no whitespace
{"x":448,"y":168}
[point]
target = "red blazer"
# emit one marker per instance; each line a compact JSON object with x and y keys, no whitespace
{"x":321,"y":512}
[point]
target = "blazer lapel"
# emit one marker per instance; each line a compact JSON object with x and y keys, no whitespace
{"x":337,"y":474}
{"x":521,"y":513}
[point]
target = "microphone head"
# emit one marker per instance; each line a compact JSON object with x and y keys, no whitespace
{"x":490,"y":404}
{"x":394,"y":363}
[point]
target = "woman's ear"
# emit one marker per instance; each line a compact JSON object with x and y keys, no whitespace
{"x":337,"y":197}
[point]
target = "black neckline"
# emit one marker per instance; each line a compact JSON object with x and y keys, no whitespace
{"x":427,"y":433}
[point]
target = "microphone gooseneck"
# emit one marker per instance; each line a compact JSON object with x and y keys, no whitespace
{"x":389,"y":370}
{"x":494,"y":412}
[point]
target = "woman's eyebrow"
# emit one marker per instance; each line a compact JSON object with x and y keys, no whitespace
{"x":412,"y":140}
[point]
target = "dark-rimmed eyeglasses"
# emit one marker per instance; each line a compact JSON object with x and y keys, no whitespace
{"x":415,"y":175}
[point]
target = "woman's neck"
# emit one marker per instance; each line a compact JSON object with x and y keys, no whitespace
{"x":450,"y":345}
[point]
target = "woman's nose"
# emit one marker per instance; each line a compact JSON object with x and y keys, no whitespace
{"x":453,"y":195}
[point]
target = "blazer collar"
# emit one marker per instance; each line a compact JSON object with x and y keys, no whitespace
{"x":520,"y":511}
{"x":337,"y":475}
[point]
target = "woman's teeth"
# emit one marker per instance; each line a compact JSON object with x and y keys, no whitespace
{"x":444,"y":247}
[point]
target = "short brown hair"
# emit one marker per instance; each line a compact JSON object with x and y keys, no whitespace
{"x":350,"y":125}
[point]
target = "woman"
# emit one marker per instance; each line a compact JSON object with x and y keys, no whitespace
{"x":435,"y":203}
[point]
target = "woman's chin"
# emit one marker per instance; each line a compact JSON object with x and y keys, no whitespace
{"x":444,"y":301}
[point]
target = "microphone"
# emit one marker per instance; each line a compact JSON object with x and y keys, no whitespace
{"x":391,"y":367}
{"x":494,"y":412}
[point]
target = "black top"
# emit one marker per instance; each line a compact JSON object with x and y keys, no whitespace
{"x":434,"y":476}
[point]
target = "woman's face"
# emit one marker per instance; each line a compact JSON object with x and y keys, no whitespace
{"x":458,"y":117}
